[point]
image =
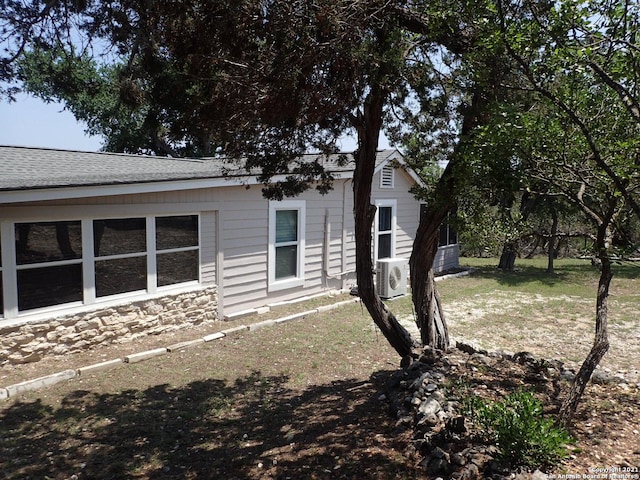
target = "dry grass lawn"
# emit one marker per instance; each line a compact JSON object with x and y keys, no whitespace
{"x":301,"y":399}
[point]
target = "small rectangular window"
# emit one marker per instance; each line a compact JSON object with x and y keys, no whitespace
{"x":453,"y":236}
{"x":444,"y":235}
{"x":286,"y":244}
{"x":385,"y":230}
{"x":448,"y":234}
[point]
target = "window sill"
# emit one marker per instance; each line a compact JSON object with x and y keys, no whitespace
{"x":285,"y":284}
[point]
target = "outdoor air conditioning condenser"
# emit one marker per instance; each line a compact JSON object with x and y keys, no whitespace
{"x":391,"y":277}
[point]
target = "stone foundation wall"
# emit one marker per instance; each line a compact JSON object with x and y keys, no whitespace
{"x":31,"y":341}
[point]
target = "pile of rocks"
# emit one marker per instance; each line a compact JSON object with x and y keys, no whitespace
{"x":424,"y":398}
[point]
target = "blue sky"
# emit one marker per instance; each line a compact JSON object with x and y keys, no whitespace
{"x":29,"y":122}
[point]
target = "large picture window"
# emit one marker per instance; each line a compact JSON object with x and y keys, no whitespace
{"x":385,"y":226}
{"x":286,"y":244}
{"x":84,"y":261}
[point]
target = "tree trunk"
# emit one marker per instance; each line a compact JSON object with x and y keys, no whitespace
{"x":433,"y":326}
{"x":551,"y":251}
{"x":368,"y":130}
{"x":601,"y":341}
{"x":533,"y":250}
{"x":508,"y":257}
{"x":430,"y":317}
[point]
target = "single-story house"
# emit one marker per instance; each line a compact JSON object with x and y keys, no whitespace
{"x":101,"y":247}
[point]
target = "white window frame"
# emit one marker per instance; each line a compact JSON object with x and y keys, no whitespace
{"x":273,"y":283}
{"x":87,"y":260}
{"x":376,"y":231}
{"x":152,"y":276}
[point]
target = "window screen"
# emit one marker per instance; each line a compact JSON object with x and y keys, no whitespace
{"x":49,"y":263}
{"x":286,"y":246}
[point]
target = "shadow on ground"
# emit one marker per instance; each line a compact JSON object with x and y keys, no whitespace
{"x":255,"y":428}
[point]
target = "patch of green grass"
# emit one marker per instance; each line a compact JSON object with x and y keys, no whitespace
{"x":572,"y":277}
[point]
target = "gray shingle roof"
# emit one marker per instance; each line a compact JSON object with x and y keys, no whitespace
{"x":24,"y":168}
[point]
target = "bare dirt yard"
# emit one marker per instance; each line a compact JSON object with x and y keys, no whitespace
{"x":303,"y":399}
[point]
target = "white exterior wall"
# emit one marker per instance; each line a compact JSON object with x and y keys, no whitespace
{"x":200,"y":202}
{"x":234,"y":228}
{"x":407,"y":210}
{"x":245,"y":226}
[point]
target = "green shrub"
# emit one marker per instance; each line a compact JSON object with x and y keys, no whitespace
{"x":519,"y":430}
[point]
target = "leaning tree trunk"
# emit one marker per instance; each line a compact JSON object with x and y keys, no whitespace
{"x":601,"y":341}
{"x":369,"y":126}
{"x":430,"y":317}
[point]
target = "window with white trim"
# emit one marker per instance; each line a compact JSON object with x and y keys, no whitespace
{"x":385,"y":229}
{"x":177,"y":249}
{"x":66,"y":262}
{"x":448,"y":235}
{"x":120,"y":250}
{"x":48,"y":263}
{"x":286,"y":244}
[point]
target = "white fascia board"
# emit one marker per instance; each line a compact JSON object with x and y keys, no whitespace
{"x":87,"y":191}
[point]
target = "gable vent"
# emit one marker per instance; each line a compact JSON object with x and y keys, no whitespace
{"x":387,"y":176}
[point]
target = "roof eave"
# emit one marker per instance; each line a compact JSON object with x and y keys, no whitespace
{"x":104,"y":190}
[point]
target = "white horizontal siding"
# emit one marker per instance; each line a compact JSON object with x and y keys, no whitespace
{"x":240,"y":216}
{"x":407,"y":210}
{"x":246,"y":230}
{"x":447,"y":258}
{"x":208,"y":247}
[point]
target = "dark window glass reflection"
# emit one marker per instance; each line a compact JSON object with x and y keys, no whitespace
{"x":121,"y":275}
{"x":453,"y":236}
{"x":47,"y":286}
{"x":384,"y":245}
{"x":119,"y":236}
{"x":176,"y":232}
{"x":177,"y":267}
{"x":444,"y":232}
{"x":286,"y":262}
{"x":47,"y":242}
{"x":385,"y":215}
